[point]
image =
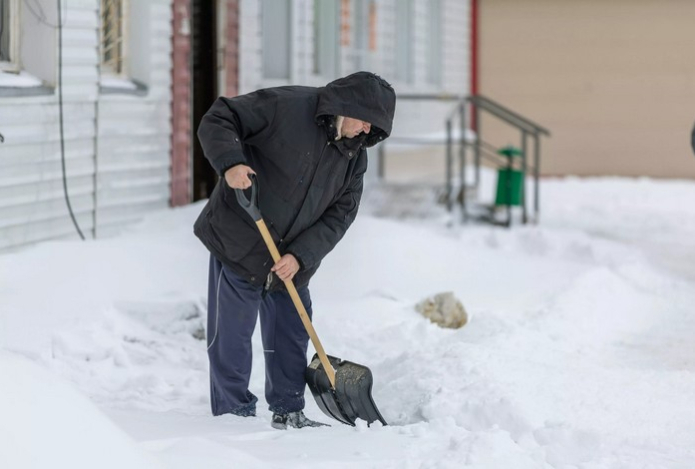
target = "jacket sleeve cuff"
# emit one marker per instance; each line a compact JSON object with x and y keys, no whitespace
{"x":301,"y":258}
{"x":227,"y":160}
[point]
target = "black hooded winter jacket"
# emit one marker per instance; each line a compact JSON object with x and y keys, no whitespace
{"x":310,"y":184}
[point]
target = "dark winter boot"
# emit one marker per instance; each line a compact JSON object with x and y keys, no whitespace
{"x":294,"y":420}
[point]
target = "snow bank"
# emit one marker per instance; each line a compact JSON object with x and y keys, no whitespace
{"x":47,"y":424}
{"x":578,"y":352}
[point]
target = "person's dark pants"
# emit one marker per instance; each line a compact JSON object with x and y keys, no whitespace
{"x":233,"y":306}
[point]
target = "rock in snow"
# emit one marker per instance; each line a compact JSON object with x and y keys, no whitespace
{"x":443,"y":309}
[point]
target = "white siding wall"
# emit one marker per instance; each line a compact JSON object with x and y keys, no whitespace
{"x":32,"y":207}
{"x":385,"y":64}
{"x":411,"y":117}
{"x":423,"y":117}
{"x":250,"y":46}
{"x":457,"y":46}
{"x":135,"y":131}
{"x":130,"y":148}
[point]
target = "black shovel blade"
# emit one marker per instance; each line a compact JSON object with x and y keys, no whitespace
{"x":352,"y":397}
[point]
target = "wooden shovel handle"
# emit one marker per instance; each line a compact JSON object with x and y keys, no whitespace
{"x":298,"y":304}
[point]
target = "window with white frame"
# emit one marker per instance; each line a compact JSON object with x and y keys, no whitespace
{"x":276,"y":18}
{"x":434,"y":43}
{"x":113,"y":37}
{"x":404,"y":41}
{"x":9,"y":35}
{"x":326,"y":20}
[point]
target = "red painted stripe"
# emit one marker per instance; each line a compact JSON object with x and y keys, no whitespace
{"x":181,"y":171}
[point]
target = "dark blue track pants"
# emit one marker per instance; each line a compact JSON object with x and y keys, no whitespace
{"x":233,"y":306}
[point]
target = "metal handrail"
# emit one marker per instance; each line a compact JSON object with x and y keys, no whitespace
{"x":483,"y":102}
{"x":431,"y":97}
{"x":479,"y":103}
{"x":527,"y":128}
{"x":492,"y":151}
{"x":424,"y":141}
{"x":506,"y":114}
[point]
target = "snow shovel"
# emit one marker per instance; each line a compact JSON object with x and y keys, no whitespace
{"x":342,"y":389}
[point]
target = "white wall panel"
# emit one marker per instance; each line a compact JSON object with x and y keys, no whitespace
{"x":37,"y":153}
{"x":134,"y":134}
{"x":423,"y":117}
{"x":43,"y":210}
{"x":116,"y":146}
{"x":31,"y":232}
{"x":48,"y":189}
{"x":22,"y":174}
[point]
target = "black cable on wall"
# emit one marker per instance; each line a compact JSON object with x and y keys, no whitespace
{"x":60,"y":111}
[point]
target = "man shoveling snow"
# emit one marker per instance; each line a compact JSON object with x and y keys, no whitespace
{"x":307,"y":149}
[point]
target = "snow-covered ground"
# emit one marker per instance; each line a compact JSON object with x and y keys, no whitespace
{"x":579,"y":352}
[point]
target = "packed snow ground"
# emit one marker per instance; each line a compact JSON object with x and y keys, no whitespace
{"x":578,"y":352}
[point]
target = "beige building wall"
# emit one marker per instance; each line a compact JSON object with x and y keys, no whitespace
{"x":614,"y":81}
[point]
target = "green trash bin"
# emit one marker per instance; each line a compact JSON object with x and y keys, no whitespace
{"x":510,"y":181}
{"x":510,"y":186}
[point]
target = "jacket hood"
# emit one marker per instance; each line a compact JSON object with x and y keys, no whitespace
{"x":364,"y":96}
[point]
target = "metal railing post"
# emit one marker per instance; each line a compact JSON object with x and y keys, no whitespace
{"x":478,"y":138}
{"x":381,"y":161}
{"x":462,"y":164}
{"x":536,"y":171}
{"x":508,"y":184}
{"x":524,"y":147}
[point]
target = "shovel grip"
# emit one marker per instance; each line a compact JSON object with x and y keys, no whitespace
{"x":250,"y":204}
{"x":263,"y":228}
